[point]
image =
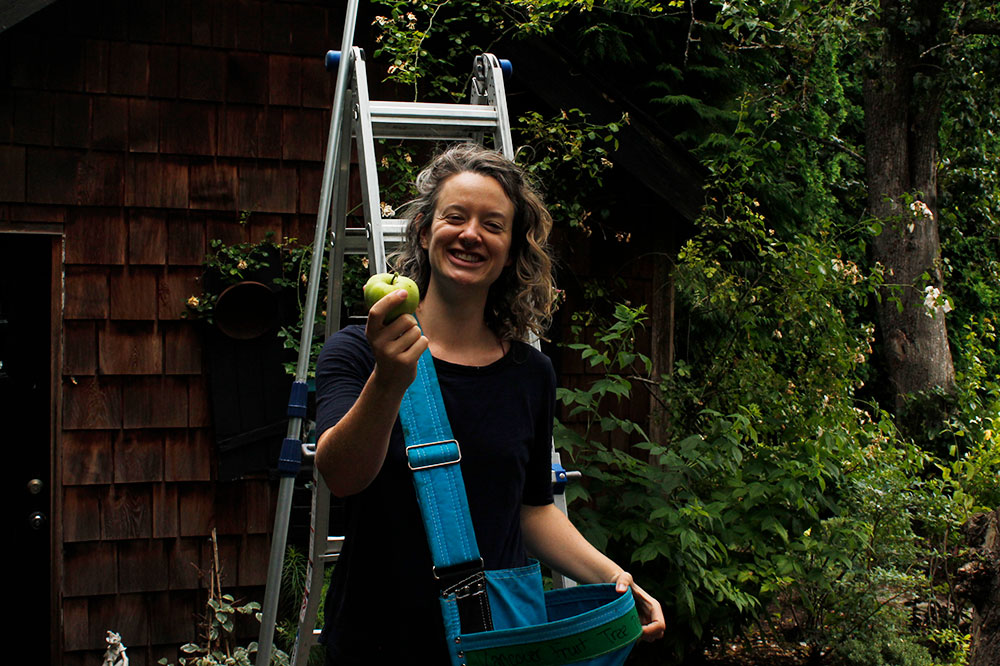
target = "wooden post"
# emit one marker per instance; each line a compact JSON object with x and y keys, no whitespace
{"x":661,"y":314}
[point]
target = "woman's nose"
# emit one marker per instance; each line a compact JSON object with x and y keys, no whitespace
{"x":470,"y":232}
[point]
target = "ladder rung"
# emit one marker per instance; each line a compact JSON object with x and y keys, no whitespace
{"x":393,"y":232}
{"x":423,"y":120}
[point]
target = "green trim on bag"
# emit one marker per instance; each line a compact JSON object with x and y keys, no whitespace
{"x":608,"y":637}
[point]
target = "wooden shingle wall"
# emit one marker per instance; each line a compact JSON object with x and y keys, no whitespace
{"x":143,"y":128}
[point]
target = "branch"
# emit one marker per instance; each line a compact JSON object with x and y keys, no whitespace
{"x":980,"y":27}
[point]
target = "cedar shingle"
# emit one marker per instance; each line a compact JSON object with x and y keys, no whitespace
{"x":267,"y":189}
{"x":51,"y":175}
{"x":173,"y":290}
{"x":72,"y":121}
{"x":317,"y":84}
{"x":90,"y":569}
{"x":6,"y":116}
{"x":96,"y":66}
{"x":253,"y":559}
{"x":213,"y":186}
{"x":185,"y":240}
{"x":307,"y":28}
{"x":310,"y":184}
{"x":12,"y":166}
{"x":262,"y":225}
{"x":132,"y":613}
{"x":199,"y":412}
{"x":202,"y":74}
{"x":225,"y":24}
{"x":40,"y":214}
{"x":187,"y":128}
{"x":276,"y":38}
{"x":87,"y":293}
{"x":304,"y":132}
{"x":139,"y":457}
{"x":182,"y":349}
{"x":163,"y":72}
{"x":188,"y":455}
{"x":100,"y":179}
{"x":250,"y":132}
{"x":76,"y":616}
{"x":127,"y":512}
{"x":147,"y":238}
{"x":110,"y":122}
{"x":95,"y":236}
{"x":201,"y":23}
{"x":248,"y":35}
{"x":174,"y":625}
{"x":230,"y":512}
{"x":82,"y":513}
{"x":92,"y":403}
{"x":128,"y":71}
{"x":66,"y":72}
{"x":143,"y":126}
{"x":133,"y":294}
{"x":260,"y":504}
{"x":156,"y":402}
{"x":197,"y":510}
{"x":246,"y":78}
{"x":33,"y":116}
{"x":165,"y":517}
{"x":285,"y":77}
{"x":185,"y":563}
{"x":145,"y":21}
{"x":177,"y":22}
{"x":87,"y":457}
{"x":80,"y":348}
{"x":141,"y":565}
{"x":156,"y":182}
{"x":226,"y":229}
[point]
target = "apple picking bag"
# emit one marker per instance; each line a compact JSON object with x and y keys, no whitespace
{"x":499,"y":616}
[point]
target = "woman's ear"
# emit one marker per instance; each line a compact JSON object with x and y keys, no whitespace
{"x":423,"y":232}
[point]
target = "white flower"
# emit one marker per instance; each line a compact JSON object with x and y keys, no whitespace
{"x":934,"y":299}
{"x":387,"y":210}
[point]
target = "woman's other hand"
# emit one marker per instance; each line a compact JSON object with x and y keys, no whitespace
{"x":650,"y":612}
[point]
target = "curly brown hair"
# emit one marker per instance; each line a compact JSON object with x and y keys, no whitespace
{"x":520,"y":302}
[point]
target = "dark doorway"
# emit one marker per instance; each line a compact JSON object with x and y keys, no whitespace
{"x":26,"y":353}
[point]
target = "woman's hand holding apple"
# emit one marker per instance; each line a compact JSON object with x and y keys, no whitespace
{"x":397,"y":345}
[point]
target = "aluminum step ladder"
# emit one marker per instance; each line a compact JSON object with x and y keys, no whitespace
{"x":356,"y":118}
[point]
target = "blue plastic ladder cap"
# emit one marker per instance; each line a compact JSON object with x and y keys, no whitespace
{"x":332,"y":61}
{"x":298,"y":400}
{"x":290,"y":459}
{"x":506,"y":67}
{"x":559,"y":486}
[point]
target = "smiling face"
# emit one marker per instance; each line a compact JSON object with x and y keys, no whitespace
{"x":468,"y":241}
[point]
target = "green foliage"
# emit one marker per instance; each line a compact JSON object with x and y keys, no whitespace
{"x":217,"y":628}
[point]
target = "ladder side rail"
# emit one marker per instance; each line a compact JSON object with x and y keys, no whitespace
{"x":369,"y":172}
{"x":497,"y":95}
{"x":319,"y":526}
{"x":305,"y":637}
{"x":279,"y":536}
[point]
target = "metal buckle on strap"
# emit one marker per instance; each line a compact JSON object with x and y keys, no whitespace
{"x":442,"y":463}
{"x":457,"y":572}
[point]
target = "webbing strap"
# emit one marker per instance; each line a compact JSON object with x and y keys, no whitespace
{"x":614,"y":635}
{"x":433,"y":455}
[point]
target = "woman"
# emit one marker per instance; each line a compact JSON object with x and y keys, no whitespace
{"x":477,"y":248}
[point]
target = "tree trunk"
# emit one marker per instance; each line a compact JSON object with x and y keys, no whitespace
{"x":901,"y":142}
{"x":979,"y":582}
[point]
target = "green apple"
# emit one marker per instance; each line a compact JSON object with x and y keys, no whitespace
{"x":381,"y":285}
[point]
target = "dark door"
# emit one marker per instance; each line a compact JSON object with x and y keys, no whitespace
{"x":25,"y":403}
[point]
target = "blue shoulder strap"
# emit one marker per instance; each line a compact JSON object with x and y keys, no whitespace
{"x":433,"y":455}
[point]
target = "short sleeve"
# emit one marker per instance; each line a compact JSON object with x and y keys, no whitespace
{"x":343,"y":368}
{"x":538,"y":479}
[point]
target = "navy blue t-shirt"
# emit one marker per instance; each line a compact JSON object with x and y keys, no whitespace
{"x":382,"y":604}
